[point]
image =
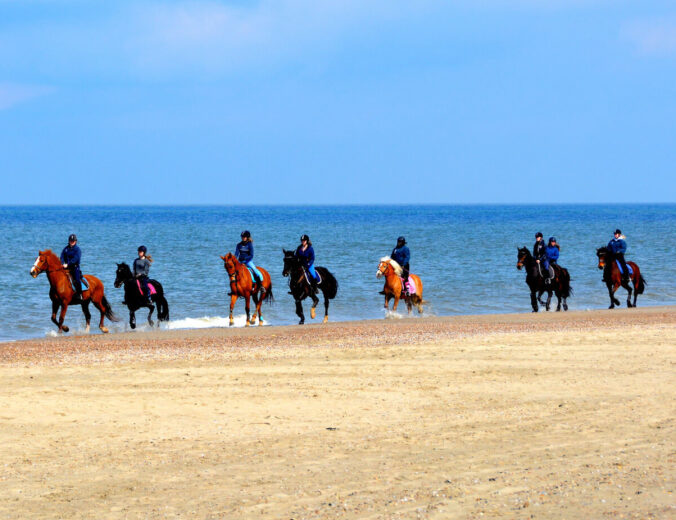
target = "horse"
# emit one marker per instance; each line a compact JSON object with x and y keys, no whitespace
{"x":241,"y":284}
{"x":392,"y":272}
{"x":62,"y":294}
{"x":300,"y":287}
{"x":560,"y":285}
{"x":134,"y":299}
{"x":613,"y":277}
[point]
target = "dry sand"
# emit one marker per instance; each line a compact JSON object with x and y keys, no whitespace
{"x":512,"y":416}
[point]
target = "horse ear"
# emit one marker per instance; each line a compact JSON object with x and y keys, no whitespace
{"x":222,"y":257}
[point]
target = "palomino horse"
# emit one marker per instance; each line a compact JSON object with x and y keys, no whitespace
{"x":134,"y":299}
{"x":241,"y":284}
{"x":62,"y":294}
{"x":392,"y":272}
{"x":613,"y":277}
{"x":560,"y":285}
{"x":301,"y":288}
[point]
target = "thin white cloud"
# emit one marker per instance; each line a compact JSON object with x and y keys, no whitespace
{"x":13,"y":94}
{"x":653,"y":37}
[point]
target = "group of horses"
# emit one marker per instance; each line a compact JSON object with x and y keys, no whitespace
{"x":560,"y":285}
{"x":243,"y":285}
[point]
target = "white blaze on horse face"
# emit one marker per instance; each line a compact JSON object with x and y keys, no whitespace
{"x":35,"y":266}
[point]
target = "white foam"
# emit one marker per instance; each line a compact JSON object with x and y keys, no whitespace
{"x":207,"y":322}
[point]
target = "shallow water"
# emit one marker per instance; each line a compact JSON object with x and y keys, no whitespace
{"x":465,"y":255}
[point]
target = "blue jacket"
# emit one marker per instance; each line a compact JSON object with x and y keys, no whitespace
{"x":71,"y":256}
{"x":552,"y":253}
{"x":617,"y":245}
{"x":244,"y":251}
{"x":307,"y":257}
{"x":401,"y":255}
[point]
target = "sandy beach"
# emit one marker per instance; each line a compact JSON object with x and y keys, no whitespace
{"x":558,"y":415}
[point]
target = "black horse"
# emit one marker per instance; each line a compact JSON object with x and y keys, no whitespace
{"x":135,"y":300}
{"x":559,"y":285}
{"x":301,"y":288}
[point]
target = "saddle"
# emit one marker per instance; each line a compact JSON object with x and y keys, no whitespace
{"x":83,"y":281}
{"x":410,"y":284}
{"x":151,"y":288}
{"x":308,"y":276}
{"x":619,"y":266}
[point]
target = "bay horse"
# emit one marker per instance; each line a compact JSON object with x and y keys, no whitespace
{"x":613,"y":277}
{"x":559,"y":285}
{"x":134,"y":299}
{"x":242,"y":285}
{"x":62,"y":294}
{"x":392,"y":272}
{"x":300,"y":288}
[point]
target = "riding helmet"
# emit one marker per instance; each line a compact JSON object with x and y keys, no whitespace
{"x":142,"y":248}
{"x":245,"y":234}
{"x":304,"y":237}
{"x":538,"y":234}
{"x":401,"y":239}
{"x":72,"y":238}
{"x":552,"y":239}
{"x":618,"y":232}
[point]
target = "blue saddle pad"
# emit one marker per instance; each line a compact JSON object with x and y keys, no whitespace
{"x":83,"y":281}
{"x":619,"y":266}
{"x":253,"y":275}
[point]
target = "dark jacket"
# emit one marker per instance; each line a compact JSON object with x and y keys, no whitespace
{"x":401,"y":255}
{"x":307,"y":257}
{"x":141,"y":267}
{"x":244,"y":251}
{"x":617,"y":245}
{"x":71,"y":256}
{"x":552,"y":253}
{"x":539,"y":250}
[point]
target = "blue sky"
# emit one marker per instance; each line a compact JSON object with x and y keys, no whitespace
{"x":337,"y":101}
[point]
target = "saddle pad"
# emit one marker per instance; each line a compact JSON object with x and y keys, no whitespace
{"x":83,"y":281}
{"x":619,"y":266}
{"x":150,"y":288}
{"x":412,"y":289}
{"x":307,"y":276}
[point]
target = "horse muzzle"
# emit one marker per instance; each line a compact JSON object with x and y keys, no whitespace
{"x":378,"y":274}
{"x":519,"y":266}
{"x":117,"y":284}
{"x":601,"y":266}
{"x":34,"y":272}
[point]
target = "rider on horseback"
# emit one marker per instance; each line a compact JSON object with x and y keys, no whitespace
{"x":245,"y":253}
{"x":551,"y":257}
{"x":540,"y":255}
{"x":402,"y":256}
{"x":141,"y":270}
{"x":70,"y":258}
{"x":618,"y":247}
{"x":306,"y":254}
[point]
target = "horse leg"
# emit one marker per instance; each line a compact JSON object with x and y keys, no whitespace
{"x":259,"y":304}
{"x":611,"y":293}
{"x":635,"y":294}
{"x":326,"y":310}
{"x":387,"y":301}
{"x":409,"y":307}
{"x":62,"y":316}
{"x":558,"y":302}
{"x":549,"y":300}
{"x":55,"y":308}
{"x":315,"y":302}
{"x":629,"y":291}
{"x":150,"y":314}
{"x":254,"y":297}
{"x":233,"y":299}
{"x":540,"y":293}
{"x":299,"y":312}
{"x":534,"y":301}
{"x":88,"y":315}
{"x":247,"y":306}
{"x":396,"y":302}
{"x":132,"y":319}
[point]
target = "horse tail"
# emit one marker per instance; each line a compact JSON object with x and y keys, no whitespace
{"x":566,"y":289}
{"x":641,"y":284}
{"x":329,"y":283}
{"x":108,"y":310}
{"x":162,"y":308}
{"x":270,"y":298}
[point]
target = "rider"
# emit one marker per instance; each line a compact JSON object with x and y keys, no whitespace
{"x":245,"y":253}
{"x":70,"y":258}
{"x":618,"y":247}
{"x":402,"y":256}
{"x":141,"y":270}
{"x":540,"y":255}
{"x":551,"y":257}
{"x":306,"y":254}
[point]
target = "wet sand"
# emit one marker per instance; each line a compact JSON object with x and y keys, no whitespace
{"x":559,"y":415}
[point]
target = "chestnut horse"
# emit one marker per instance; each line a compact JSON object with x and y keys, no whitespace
{"x":62,"y":294}
{"x":392,"y":271}
{"x":613,"y":277}
{"x":241,"y":284}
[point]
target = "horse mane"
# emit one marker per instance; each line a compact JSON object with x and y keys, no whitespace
{"x":397,"y":268}
{"x":51,"y":256}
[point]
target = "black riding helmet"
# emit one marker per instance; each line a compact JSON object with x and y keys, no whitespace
{"x":538,"y":234}
{"x":618,"y":232}
{"x":72,"y":238}
{"x":245,"y":234}
{"x":552,"y":239}
{"x":401,"y":240}
{"x":142,"y":248}
{"x":304,"y":237}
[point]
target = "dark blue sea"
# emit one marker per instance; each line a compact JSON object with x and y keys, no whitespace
{"x":465,"y":255}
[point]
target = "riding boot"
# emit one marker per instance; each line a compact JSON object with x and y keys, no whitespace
{"x":313,"y":284}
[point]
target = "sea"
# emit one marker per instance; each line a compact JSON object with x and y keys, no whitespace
{"x":465,"y":255}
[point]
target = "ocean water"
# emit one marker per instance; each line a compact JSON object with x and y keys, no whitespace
{"x":465,"y":255}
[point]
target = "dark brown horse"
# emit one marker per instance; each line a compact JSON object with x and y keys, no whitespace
{"x":560,"y":285}
{"x":392,"y":271}
{"x":242,"y":284}
{"x":62,"y":294}
{"x":613,"y":278}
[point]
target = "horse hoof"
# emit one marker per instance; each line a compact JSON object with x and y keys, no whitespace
{"x":565,"y":307}
{"x":326,"y":319}
{"x":104,"y":329}
{"x":65,"y":329}
{"x":87,"y":329}
{"x":313,"y":314}
{"x":152,"y":323}
{"x":246,"y":324}
{"x":301,"y":322}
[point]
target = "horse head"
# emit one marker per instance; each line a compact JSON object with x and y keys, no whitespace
{"x":602,"y":252}
{"x":230,"y":265}
{"x":43,"y":262}
{"x":290,"y":262}
{"x":122,"y":274}
{"x":386,"y":264}
{"x":522,"y":256}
